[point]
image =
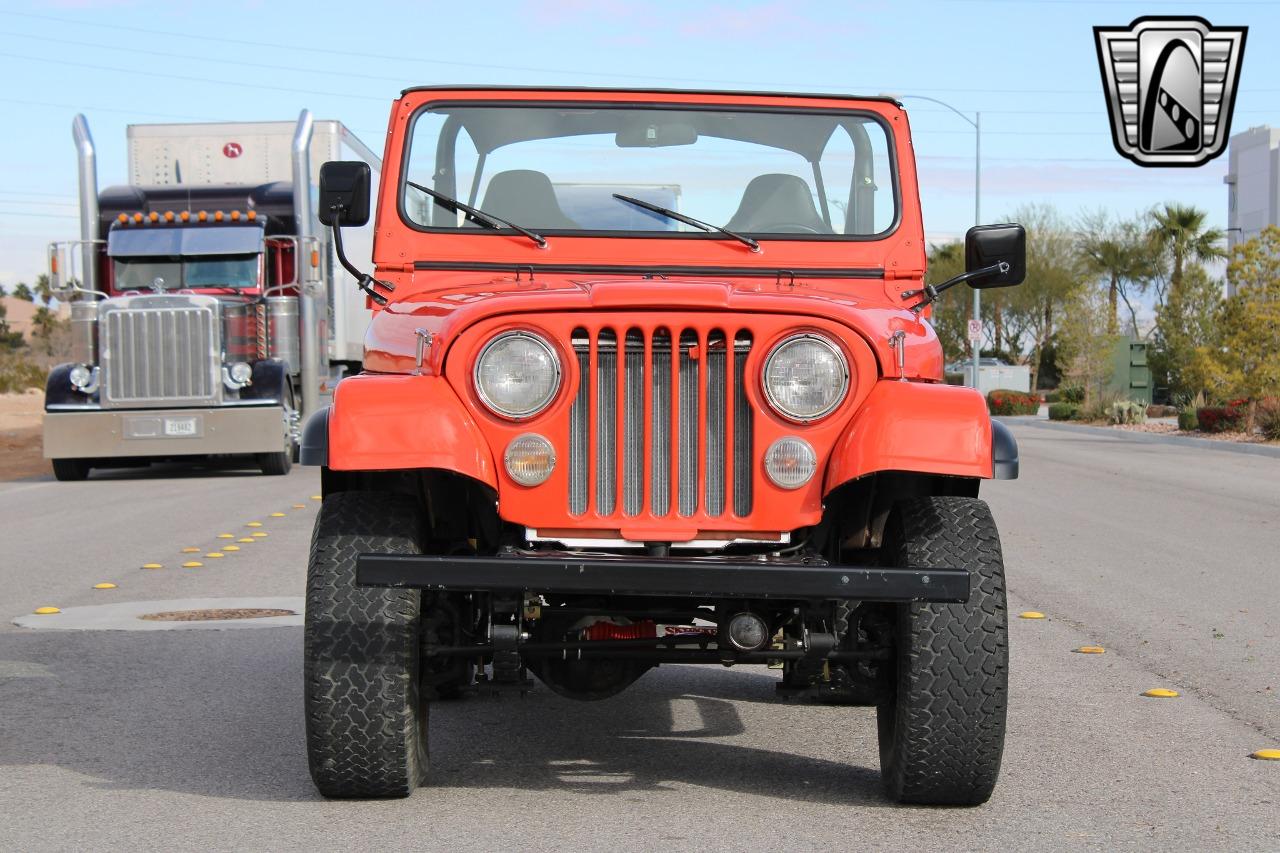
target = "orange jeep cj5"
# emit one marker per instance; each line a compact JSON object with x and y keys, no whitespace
{"x":651,"y":380}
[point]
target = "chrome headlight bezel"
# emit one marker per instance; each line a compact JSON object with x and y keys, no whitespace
{"x":508,"y":413}
{"x":840,"y":396}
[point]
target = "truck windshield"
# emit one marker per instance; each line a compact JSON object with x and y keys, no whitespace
{"x":236,"y":271}
{"x":558,"y":169}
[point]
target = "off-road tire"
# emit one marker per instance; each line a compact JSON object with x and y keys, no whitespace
{"x":70,"y":470}
{"x":942,"y":736}
{"x":366,"y":723}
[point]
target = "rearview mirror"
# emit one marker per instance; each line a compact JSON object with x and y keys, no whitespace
{"x":656,"y":135}
{"x":344,"y":191}
{"x":987,"y":246}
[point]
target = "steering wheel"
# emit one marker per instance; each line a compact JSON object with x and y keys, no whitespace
{"x":787,"y":228}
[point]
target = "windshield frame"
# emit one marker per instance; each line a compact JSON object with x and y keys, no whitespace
{"x":891,"y":143}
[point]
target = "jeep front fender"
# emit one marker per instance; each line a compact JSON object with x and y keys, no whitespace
{"x":925,"y":428}
{"x":381,"y":423}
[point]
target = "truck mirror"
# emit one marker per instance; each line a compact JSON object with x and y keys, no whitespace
{"x":344,"y":193}
{"x":993,"y":246}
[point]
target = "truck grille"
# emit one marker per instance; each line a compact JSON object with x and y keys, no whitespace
{"x":161,"y":354}
{"x":654,"y":426}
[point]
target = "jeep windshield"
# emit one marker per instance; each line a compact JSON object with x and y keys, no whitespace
{"x":558,"y":170}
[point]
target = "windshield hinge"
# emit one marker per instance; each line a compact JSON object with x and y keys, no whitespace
{"x":896,"y":274}
{"x":406,"y":267}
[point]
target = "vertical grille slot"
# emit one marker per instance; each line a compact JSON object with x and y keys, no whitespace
{"x":743,"y":427}
{"x":633,"y":425}
{"x":666,"y":414}
{"x":714,"y":450}
{"x":606,"y":460}
{"x":660,"y":456}
{"x":687,"y":482}
{"x":580,"y":427}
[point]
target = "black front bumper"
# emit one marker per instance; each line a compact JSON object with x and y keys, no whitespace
{"x":686,"y":578}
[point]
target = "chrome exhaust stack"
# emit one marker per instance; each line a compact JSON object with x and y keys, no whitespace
{"x":313,"y":299}
{"x":88,"y":162}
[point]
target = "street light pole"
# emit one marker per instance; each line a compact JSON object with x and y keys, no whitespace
{"x":976,"y":123}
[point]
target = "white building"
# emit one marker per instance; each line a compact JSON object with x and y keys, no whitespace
{"x":1253,"y":185}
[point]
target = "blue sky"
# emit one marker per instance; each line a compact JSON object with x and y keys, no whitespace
{"x":1028,"y":65}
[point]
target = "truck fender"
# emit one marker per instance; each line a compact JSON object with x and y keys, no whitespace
{"x":270,"y":382}
{"x":58,"y":390}
{"x":382,"y":422}
{"x":920,"y":427}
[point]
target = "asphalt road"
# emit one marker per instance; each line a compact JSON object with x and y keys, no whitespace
{"x":1165,"y":555}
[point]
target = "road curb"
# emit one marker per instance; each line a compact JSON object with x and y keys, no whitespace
{"x":1150,"y":438}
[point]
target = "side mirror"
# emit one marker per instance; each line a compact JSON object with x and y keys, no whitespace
{"x":986,"y":246}
{"x":344,"y":188}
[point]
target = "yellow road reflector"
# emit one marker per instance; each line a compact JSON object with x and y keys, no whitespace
{"x":259,"y":535}
{"x":277,"y":515}
{"x":299,"y":506}
{"x":254,"y":524}
{"x":1161,"y":693}
{"x":215,"y":554}
{"x":191,"y":550}
{"x":1090,"y":650}
{"x":226,"y":536}
{"x":315,"y":497}
{"x":1031,"y":614}
{"x":47,"y":611}
{"x":245,"y":539}
{"x":192,"y":564}
{"x":231,"y":547}
{"x":1266,"y":755}
{"x":104,"y":585}
{"x":153,"y":565}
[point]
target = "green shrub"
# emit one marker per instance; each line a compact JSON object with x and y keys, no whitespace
{"x":1063,"y":411}
{"x":1267,"y":418}
{"x":1187,"y":421}
{"x":1071,"y":394}
{"x":19,"y":374}
{"x":1002,"y":401}
{"x":1127,"y":412}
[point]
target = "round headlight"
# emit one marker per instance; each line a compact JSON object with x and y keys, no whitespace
{"x":80,"y":376}
{"x":790,"y":462}
{"x":241,"y":372}
{"x":517,"y":374}
{"x":529,"y":459}
{"x":805,"y":377}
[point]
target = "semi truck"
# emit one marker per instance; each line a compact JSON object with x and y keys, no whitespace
{"x":207,"y":316}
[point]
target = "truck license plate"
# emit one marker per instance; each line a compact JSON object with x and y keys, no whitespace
{"x":180,"y":426}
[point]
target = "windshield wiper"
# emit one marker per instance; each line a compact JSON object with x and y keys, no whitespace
{"x":478,"y":216}
{"x":689,"y":220}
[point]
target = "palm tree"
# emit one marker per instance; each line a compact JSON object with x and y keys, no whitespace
{"x":1179,"y":230}
{"x":1119,"y":254}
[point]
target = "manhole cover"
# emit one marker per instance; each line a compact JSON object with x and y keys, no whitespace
{"x":216,"y":613}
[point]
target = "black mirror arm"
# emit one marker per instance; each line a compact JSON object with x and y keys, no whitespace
{"x":930,"y":291}
{"x":364,"y":281}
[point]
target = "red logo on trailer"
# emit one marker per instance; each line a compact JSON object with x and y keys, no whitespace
{"x":232,"y":150}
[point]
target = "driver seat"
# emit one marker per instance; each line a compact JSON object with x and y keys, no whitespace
{"x":774,"y":200}
{"x":526,"y":198}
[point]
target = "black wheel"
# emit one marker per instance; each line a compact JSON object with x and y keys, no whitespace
{"x":942,"y":735}
{"x":70,"y":470}
{"x":275,"y":464}
{"x":366,"y":723}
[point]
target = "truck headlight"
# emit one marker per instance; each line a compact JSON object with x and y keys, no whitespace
{"x":241,"y":372}
{"x":80,"y":377}
{"x":517,"y":374}
{"x":805,"y":377}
